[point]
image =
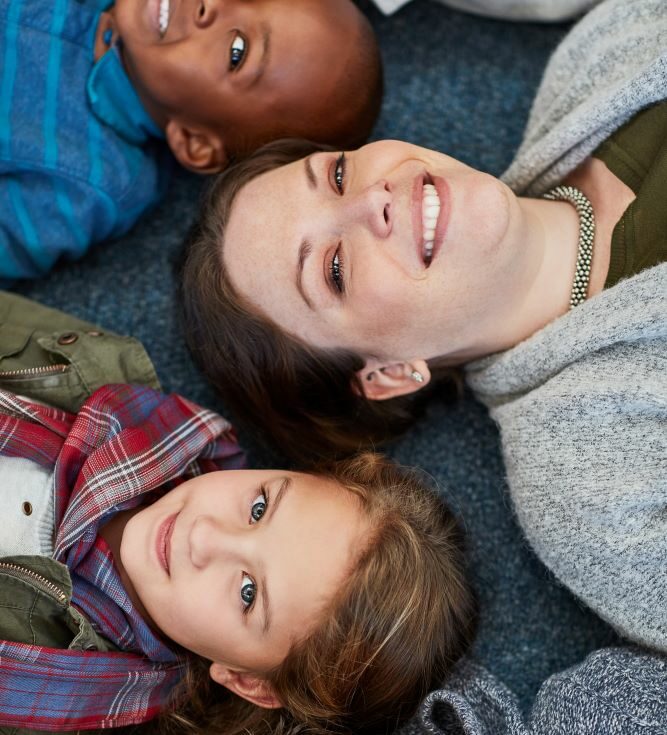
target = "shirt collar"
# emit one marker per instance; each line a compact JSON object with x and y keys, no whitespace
{"x":115,"y":101}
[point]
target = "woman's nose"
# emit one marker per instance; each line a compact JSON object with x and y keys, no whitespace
{"x":370,"y":207}
{"x":209,"y":540}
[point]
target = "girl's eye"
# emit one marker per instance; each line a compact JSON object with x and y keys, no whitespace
{"x":336,"y":272}
{"x":237,"y":52}
{"x":248,"y":592}
{"x":258,"y":507}
{"x":339,"y":173}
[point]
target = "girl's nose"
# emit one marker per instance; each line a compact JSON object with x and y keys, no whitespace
{"x":370,"y":207}
{"x":209,"y":540}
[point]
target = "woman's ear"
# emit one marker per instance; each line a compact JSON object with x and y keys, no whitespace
{"x":249,"y":686}
{"x":197,"y":149}
{"x":383,"y":380}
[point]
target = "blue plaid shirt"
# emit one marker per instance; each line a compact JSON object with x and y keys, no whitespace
{"x":80,"y":159}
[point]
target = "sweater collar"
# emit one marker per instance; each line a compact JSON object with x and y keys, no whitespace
{"x":115,"y":101}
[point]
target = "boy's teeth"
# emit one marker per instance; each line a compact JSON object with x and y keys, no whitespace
{"x":430,"y":212}
{"x":164,"y":16}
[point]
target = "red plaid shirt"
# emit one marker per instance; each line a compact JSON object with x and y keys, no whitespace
{"x":126,"y":446}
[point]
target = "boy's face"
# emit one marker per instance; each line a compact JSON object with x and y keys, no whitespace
{"x":237,"y":565}
{"x":254,"y":69}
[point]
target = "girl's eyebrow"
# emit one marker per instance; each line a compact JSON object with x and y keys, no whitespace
{"x":285,"y":485}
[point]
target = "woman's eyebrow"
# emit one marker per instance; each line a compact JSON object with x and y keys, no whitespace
{"x":266,"y":607}
{"x":304,"y":251}
{"x":310,"y":174}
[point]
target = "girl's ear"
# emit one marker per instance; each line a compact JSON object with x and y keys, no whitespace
{"x":383,"y":380}
{"x":198,"y":150}
{"x":249,"y":686}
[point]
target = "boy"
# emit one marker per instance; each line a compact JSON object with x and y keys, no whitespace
{"x":89,"y":96}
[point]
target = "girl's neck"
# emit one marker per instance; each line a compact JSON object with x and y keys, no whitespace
{"x":112,"y":533}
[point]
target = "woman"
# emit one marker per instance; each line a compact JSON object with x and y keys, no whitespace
{"x":317,"y":291}
{"x":135,"y":573}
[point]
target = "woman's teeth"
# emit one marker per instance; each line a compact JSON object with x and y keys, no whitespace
{"x":163,"y":19}
{"x":430,"y":212}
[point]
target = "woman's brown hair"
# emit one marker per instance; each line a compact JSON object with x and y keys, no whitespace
{"x":400,"y":621}
{"x":309,"y":400}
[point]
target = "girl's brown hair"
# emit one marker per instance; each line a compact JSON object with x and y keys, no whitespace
{"x":392,"y":632}
{"x":309,"y":400}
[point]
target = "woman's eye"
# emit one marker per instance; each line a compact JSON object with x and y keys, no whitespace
{"x":339,"y":173}
{"x":258,"y":507}
{"x":336,"y":272}
{"x":237,"y":52}
{"x":248,"y":592}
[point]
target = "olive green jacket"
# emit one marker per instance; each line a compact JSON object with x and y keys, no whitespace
{"x":55,"y":358}
{"x":58,"y":359}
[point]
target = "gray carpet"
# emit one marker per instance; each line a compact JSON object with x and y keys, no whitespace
{"x":463,"y":85}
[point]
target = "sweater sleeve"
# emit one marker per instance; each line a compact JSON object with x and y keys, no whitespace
{"x":614,"y":690}
{"x":46,"y":217}
{"x":586,"y":459}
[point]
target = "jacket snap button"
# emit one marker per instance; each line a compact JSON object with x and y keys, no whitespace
{"x":94,"y":333}
{"x":67,"y":338}
{"x":27,"y":508}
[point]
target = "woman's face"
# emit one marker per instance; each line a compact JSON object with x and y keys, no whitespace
{"x":237,"y":565}
{"x":395,"y":251}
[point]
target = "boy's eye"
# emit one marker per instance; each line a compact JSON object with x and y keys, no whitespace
{"x":258,"y":507}
{"x":339,"y":173}
{"x":248,"y":592}
{"x":336,"y":272}
{"x":237,"y":52}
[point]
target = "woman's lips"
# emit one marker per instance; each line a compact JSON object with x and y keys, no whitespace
{"x":163,"y":542}
{"x":430,"y":214}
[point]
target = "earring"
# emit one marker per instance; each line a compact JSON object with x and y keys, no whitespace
{"x":417,"y":376}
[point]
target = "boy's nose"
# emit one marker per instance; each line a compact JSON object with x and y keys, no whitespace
{"x":371,"y":207}
{"x":208,"y":540}
{"x":205,"y":12}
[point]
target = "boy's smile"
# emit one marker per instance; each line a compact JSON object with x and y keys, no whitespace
{"x":233,"y":74}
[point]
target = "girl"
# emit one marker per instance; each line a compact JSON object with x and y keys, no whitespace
{"x":171,"y":581}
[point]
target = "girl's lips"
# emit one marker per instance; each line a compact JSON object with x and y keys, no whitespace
{"x":163,"y":542}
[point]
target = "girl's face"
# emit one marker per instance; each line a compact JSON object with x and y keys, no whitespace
{"x":393,"y":251}
{"x":236,"y":565}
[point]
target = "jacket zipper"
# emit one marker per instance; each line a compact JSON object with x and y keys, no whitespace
{"x":35,"y":371}
{"x":17,"y":571}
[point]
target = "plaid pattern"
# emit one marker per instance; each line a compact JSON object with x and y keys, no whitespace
{"x":127,"y":446}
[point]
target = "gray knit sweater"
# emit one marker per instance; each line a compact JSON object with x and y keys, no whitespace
{"x":581,"y":403}
{"x":612,"y":64}
{"x":582,"y":409}
{"x":615,"y":691}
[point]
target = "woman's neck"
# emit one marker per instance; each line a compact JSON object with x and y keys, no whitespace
{"x":551,"y":237}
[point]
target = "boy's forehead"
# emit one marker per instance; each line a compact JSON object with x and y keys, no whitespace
{"x":307,"y":55}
